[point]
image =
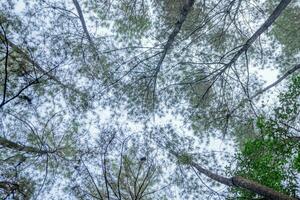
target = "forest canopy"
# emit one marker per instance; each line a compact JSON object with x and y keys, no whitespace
{"x":149,"y":99}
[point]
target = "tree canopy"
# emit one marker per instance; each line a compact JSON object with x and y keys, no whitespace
{"x":149,"y":99}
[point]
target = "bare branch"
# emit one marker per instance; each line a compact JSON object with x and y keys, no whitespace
{"x":284,"y":76}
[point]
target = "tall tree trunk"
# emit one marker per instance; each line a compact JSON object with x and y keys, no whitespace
{"x":183,"y":15}
{"x":275,"y":14}
{"x":83,"y":24}
{"x":238,"y":181}
{"x":82,"y":20}
{"x":18,"y":147}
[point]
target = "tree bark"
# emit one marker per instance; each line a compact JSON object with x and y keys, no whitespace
{"x":83,"y":24}
{"x":183,"y":15}
{"x":257,"y":188}
{"x":238,"y":181}
{"x":18,"y":147}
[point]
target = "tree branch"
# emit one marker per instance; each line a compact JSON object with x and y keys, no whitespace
{"x":18,"y":147}
{"x":285,"y":75}
{"x":279,"y":80}
{"x":43,"y":71}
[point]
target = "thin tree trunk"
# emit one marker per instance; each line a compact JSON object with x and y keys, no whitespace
{"x":18,"y":147}
{"x":275,"y":14}
{"x":43,"y":71}
{"x":286,"y":74}
{"x":183,"y":15}
{"x":83,"y":24}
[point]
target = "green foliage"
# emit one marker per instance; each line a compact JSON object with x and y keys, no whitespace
{"x":133,"y":20}
{"x":272,"y":158}
{"x":134,"y":26}
{"x":297,"y":162}
{"x":286,"y":30}
{"x":184,"y":159}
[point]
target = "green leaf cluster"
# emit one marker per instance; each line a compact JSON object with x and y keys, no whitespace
{"x":272,"y":158}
